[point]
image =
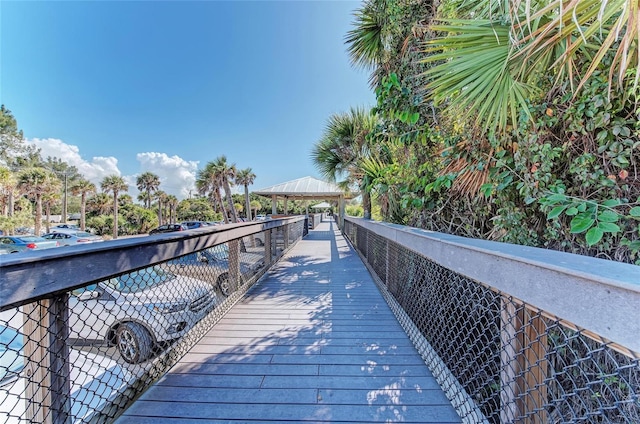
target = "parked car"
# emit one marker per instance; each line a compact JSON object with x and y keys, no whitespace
{"x":168,"y":228}
{"x":15,"y":244}
{"x":139,"y":310}
{"x":195,"y":224}
{"x":212,"y":264}
{"x":95,"y":380}
{"x":261,"y":217}
{"x":69,"y":238}
{"x":65,"y":227}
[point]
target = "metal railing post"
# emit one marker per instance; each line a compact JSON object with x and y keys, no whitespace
{"x":234,"y":264}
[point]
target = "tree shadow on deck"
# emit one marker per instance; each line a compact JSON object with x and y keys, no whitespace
{"x":313,"y":341}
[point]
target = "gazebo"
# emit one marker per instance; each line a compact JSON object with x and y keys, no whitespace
{"x":307,"y":188}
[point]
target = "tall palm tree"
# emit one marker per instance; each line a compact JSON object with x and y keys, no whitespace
{"x":340,"y":153}
{"x":226,"y":173}
{"x":245,"y":177}
{"x":50,"y":198}
{"x":35,"y":183}
{"x":114,"y":184}
{"x":172,"y":203}
{"x":83,"y":188}
{"x":365,"y":42}
{"x":148,"y":182}
{"x":208,"y":183}
{"x":161,"y":197}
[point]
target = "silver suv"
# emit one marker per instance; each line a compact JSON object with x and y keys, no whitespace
{"x":138,"y":310}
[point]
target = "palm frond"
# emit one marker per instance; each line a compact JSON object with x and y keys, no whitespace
{"x":476,"y":73}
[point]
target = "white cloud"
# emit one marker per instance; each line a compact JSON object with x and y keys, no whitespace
{"x":94,"y":170}
{"x":177,"y":176}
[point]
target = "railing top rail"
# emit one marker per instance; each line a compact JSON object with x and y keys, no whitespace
{"x":39,"y":274}
{"x":600,"y":295}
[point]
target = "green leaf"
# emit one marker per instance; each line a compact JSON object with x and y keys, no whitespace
{"x":594,"y":235}
{"x":582,"y":207}
{"x":557,"y":197}
{"x":609,"y":227}
{"x":486,"y":189}
{"x":581,"y":223}
{"x":555,"y":212}
{"x":414,"y":118}
{"x":635,"y":212}
{"x":611,"y":203}
{"x":572,"y":211}
{"x":608,"y":216}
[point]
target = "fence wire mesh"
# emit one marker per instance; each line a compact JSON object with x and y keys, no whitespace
{"x":513,"y":362}
{"x":85,"y":355}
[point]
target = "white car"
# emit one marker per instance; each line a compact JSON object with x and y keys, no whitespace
{"x":71,"y":237}
{"x":95,"y":380}
{"x":138,"y":310}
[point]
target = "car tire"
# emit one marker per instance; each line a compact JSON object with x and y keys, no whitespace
{"x":134,"y":342}
{"x":224,"y":285}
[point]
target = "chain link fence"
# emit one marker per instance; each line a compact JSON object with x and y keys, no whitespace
{"x":83,"y":355}
{"x":500,"y":359}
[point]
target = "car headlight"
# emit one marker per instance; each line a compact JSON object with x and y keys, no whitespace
{"x":167,"y":308}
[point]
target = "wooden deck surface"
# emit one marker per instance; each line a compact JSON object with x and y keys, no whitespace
{"x":314,"y":341}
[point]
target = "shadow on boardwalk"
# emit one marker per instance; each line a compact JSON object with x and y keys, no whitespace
{"x":313,"y":341}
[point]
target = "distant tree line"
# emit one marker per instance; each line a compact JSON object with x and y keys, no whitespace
{"x":32,"y":189}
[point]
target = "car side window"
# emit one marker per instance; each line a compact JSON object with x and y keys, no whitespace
{"x":80,"y":290}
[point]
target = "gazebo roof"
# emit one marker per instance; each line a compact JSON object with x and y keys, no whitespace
{"x":306,"y":188}
{"x":322,"y":205}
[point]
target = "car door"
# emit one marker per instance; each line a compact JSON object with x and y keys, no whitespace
{"x":91,"y":312}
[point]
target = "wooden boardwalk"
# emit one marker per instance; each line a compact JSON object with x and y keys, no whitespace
{"x":314,"y":341}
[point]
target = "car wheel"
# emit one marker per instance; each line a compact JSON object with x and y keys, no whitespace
{"x":134,"y":342}
{"x":224,"y":285}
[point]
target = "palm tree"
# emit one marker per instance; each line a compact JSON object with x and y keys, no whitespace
{"x":172,"y":203}
{"x":34,"y":183}
{"x":492,"y":64}
{"x":208,"y":183}
{"x":161,"y":197}
{"x":99,"y":203}
{"x":226,"y":174}
{"x":365,"y":41}
{"x":114,"y":184}
{"x":245,"y":177}
{"x":49,"y":199}
{"x":343,"y":149}
{"x":256,"y":206}
{"x":83,"y":188}
{"x":147,"y":183}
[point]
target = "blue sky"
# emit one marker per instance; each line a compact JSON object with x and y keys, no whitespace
{"x":166,"y":86}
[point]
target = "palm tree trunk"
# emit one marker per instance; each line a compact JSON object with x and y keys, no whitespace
{"x":221,"y":205}
{"x":247,"y":203}
{"x":83,"y":210}
{"x":366,"y":204}
{"x":115,"y":215}
{"x":227,"y":190}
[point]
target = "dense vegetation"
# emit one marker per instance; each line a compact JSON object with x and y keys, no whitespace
{"x":515,"y":121}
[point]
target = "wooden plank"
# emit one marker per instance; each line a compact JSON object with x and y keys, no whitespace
{"x":307,"y":343}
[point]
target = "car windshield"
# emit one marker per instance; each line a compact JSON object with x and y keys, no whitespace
{"x":11,"y":362}
{"x":219,"y":252}
{"x":138,"y":281}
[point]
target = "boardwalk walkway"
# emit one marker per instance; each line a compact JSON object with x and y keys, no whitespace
{"x":314,"y":341}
